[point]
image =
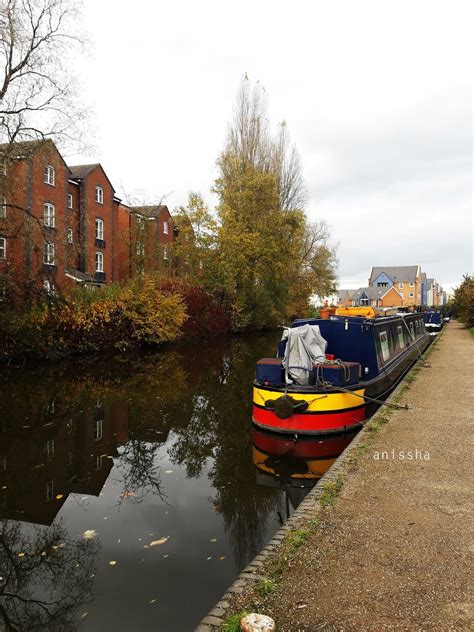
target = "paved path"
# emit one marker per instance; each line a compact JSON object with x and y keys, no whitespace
{"x":395,"y":551}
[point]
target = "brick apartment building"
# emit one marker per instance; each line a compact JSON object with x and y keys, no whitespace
{"x":63,"y":225}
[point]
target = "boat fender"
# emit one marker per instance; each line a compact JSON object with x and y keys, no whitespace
{"x":285,"y":406}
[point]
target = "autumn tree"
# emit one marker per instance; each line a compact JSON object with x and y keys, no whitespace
{"x":270,"y":257}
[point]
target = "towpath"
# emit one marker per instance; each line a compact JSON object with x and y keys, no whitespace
{"x":395,"y":549}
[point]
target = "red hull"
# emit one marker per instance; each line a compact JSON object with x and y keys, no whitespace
{"x":309,"y":423}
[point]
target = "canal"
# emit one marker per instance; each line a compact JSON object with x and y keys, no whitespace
{"x":134,"y":490}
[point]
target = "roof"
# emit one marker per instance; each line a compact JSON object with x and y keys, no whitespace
{"x":82,"y":171}
{"x":24,"y":148}
{"x":429,"y":283}
{"x":350,"y":293}
{"x":396,"y":273}
{"x":374,"y":292}
{"x":423,"y":277}
{"x":79,"y":276}
{"x":150,"y":211}
{"x":79,"y":172}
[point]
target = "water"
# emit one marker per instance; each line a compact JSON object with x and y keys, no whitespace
{"x":133,"y":491}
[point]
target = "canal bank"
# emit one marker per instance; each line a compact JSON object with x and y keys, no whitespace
{"x":385,"y":540}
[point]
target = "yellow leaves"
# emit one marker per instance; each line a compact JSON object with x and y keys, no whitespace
{"x":89,"y":534}
{"x":158,"y":542}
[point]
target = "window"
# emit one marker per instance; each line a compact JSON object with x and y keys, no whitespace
{"x":49,"y":215}
{"x":98,"y":463}
{"x":401,"y":339}
{"x":69,"y":236}
{"x":140,"y":249}
{"x":69,"y":200}
{"x":50,"y":490}
{"x":165,"y":227}
{"x":3,"y":248}
{"x":364,"y":301}
{"x":3,"y":166}
{"x":49,"y":175}
{"x":49,"y":449}
{"x":412,"y":284}
{"x":99,"y":195}
{"x":99,"y":228}
{"x":48,"y":287}
{"x":69,"y":458}
{"x":98,"y":429}
{"x":165,"y":253}
{"x":99,"y":261}
{"x":412,"y":331}
{"x":382,"y":284}
{"x":3,"y":207}
{"x":48,"y":254}
{"x":411,"y":294}
{"x":400,"y":285}
{"x":384,"y":345}
{"x":3,"y":463}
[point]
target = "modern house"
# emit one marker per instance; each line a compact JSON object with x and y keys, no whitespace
{"x":406,"y":279}
{"x":378,"y":297}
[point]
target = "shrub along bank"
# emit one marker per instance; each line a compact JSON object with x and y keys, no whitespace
{"x":119,"y":317}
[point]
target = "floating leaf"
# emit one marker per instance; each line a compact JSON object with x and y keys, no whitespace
{"x":209,"y":558}
{"x":222,"y":557}
{"x":157,"y":542}
{"x":21,"y":555}
{"x":84,"y":615}
{"x":213,"y":540}
{"x":168,"y":471}
{"x":89,"y":534}
{"x":112,"y":562}
{"x":152,"y":601}
{"x":59,"y":496}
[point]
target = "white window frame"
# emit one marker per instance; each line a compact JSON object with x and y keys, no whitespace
{"x":49,"y":175}
{"x":48,"y":287}
{"x":400,"y":285}
{"x":411,"y":294}
{"x":3,"y":207}
{"x":98,"y":429}
{"x":70,"y":200}
{"x":384,"y":345}
{"x":401,"y":337}
{"x":49,"y":449}
{"x":50,"y":490}
{"x":49,"y":253}
{"x":98,"y":462}
{"x":3,"y":247}
{"x":49,"y":215}
{"x":69,"y":236}
{"x":411,"y":284}
{"x":165,"y":227}
{"x":99,"y":194}
{"x":99,"y":261}
{"x":165,"y":253}
{"x":99,"y":228}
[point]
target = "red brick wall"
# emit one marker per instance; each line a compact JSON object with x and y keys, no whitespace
{"x":122,"y":243}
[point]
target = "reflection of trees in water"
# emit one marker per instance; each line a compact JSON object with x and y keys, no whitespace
{"x":141,"y":475}
{"x":45,"y":576}
{"x":219,"y":427}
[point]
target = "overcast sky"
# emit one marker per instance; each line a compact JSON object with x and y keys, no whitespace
{"x":377,"y":96}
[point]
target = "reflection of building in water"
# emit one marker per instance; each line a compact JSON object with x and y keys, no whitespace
{"x":42,"y":463}
{"x":294,"y":466}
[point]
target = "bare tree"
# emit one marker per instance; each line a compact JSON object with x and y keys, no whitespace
{"x":38,"y":92}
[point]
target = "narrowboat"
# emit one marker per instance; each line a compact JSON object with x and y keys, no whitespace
{"x":329,"y":374}
{"x":433,"y":322}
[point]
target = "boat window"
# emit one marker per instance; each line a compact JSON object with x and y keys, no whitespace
{"x":384,"y":345}
{"x":401,"y":339}
{"x":412,"y":331}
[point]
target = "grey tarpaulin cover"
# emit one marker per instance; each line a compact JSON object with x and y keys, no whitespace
{"x":305,"y":346}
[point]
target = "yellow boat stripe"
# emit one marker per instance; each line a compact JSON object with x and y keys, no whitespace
{"x":316,"y":401}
